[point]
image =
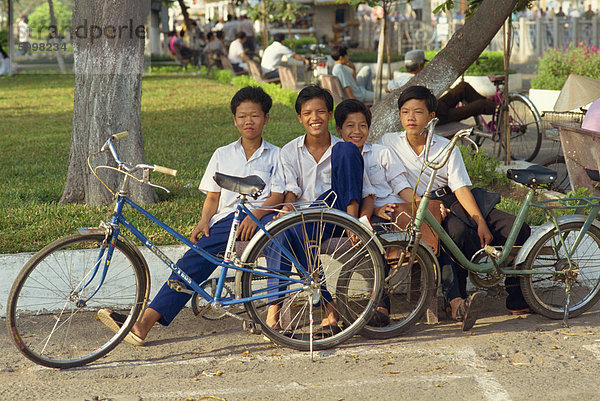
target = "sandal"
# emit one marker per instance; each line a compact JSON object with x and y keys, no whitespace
{"x":469,"y":309}
{"x":379,"y":319}
{"x":114,"y":321}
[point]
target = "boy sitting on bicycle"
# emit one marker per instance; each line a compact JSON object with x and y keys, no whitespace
{"x":249,"y":155}
{"x":316,"y":165}
{"x":417,"y":107}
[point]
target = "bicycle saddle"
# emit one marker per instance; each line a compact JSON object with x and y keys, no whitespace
{"x":251,"y":185}
{"x":532,"y":175}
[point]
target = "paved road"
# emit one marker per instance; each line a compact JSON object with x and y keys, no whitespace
{"x":502,"y":358}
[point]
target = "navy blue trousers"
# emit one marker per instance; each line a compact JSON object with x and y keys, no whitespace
{"x":347,"y":167}
{"x":169,"y":302}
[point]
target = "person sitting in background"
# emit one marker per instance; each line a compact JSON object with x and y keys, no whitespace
{"x":414,"y":62}
{"x":213,"y":51}
{"x":237,"y":56}
{"x":356,"y":85}
{"x":273,"y":55}
{"x":473,"y":104}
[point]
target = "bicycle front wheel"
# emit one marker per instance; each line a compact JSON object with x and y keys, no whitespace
{"x":409,"y":292}
{"x":345,"y":265}
{"x":49,"y":315}
{"x":525,"y":129}
{"x":545,"y":293}
{"x":557,"y":163}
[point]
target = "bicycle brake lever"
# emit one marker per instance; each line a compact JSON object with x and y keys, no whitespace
{"x":158,"y":186}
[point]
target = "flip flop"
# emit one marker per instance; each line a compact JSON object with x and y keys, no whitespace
{"x":472,"y":307}
{"x":379,"y":319}
{"x":114,"y":321}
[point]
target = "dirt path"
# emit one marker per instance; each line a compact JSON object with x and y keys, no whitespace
{"x":502,"y":358}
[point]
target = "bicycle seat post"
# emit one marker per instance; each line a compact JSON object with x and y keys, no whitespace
{"x":235,"y":225}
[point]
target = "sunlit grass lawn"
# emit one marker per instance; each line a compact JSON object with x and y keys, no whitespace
{"x":184,"y":119}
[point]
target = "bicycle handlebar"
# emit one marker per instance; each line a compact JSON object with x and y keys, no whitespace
{"x":463,"y":133}
{"x":109,"y":145}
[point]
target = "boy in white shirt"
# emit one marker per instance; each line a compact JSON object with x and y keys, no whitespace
{"x":417,"y":107}
{"x":249,"y":155}
{"x":237,"y":55}
{"x":315,"y":165}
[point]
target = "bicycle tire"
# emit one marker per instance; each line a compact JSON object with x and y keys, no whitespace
{"x":357,"y":272}
{"x":525,"y":129}
{"x":43,"y":296}
{"x":557,"y":163}
{"x":409,"y":300}
{"x":545,"y":294}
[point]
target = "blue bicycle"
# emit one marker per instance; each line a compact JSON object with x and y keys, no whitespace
{"x":326,"y":256}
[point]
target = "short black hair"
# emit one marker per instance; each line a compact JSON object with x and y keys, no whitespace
{"x":350,"y":106}
{"x":220,"y":34}
{"x":210,"y":35}
{"x":253,"y":94}
{"x":240,"y":35}
{"x":338,"y":51}
{"x":420,"y":93}
{"x":313,"y":92}
{"x":279,"y":37}
{"x":411,"y":67}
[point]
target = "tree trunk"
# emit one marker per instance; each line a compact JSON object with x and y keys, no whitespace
{"x":108,"y":91}
{"x":461,"y":51}
{"x":56,"y":39}
{"x":186,"y":18}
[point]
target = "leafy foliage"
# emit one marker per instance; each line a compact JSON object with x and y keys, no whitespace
{"x":39,"y":20}
{"x":556,"y":65}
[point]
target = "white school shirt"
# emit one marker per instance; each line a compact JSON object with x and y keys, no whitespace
{"x":453,"y":174}
{"x":236,"y":48}
{"x":231,"y":160}
{"x":306,"y":178}
{"x":272,"y":56}
{"x":386,"y":174}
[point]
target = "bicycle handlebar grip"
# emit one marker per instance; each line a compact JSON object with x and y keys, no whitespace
{"x":165,"y":170}
{"x":120,"y":135}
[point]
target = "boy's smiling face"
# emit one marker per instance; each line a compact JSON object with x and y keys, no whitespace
{"x":414,"y":116}
{"x":355,"y":129}
{"x":250,"y":120}
{"x":315,"y":117}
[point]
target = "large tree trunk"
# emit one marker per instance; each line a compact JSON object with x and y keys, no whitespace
{"x":186,"y":19}
{"x":108,"y":91}
{"x":56,"y":39}
{"x":461,"y":51}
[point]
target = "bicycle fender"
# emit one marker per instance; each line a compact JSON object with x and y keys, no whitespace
{"x":400,"y":237}
{"x":546,"y":228}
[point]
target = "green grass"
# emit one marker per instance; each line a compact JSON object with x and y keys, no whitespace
{"x":184,"y":119}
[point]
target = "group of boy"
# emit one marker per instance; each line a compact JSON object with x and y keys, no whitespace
{"x":369,"y":180}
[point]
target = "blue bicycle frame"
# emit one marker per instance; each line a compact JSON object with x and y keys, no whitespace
{"x":225,"y":263}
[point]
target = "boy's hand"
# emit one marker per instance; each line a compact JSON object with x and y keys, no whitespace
{"x":385,"y":211}
{"x":246,"y":229}
{"x":202,"y":227}
{"x":484,"y":233}
{"x":285,"y":209}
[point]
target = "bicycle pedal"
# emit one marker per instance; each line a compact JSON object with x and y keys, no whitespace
{"x":178,"y":286}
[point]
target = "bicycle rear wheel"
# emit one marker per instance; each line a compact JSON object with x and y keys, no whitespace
{"x":321,"y":242}
{"x":49,"y":316}
{"x":410,"y":292}
{"x":557,"y":163}
{"x":545,"y":293}
{"x":525,"y":129}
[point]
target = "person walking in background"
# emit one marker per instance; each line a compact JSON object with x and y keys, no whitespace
{"x":230,"y":29}
{"x":24,"y":34}
{"x":247,"y":26}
